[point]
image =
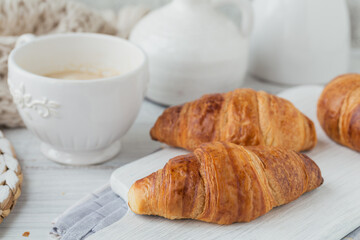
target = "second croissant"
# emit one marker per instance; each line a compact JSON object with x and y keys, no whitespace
{"x":243,"y":116}
{"x":225,"y":183}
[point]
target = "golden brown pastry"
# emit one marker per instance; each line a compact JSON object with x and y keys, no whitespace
{"x":338,"y":110}
{"x":225,"y":183}
{"x":243,"y":117}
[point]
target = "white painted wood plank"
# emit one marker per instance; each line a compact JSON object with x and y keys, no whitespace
{"x":329,"y":212}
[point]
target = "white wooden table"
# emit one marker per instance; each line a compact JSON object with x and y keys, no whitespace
{"x":50,"y":188}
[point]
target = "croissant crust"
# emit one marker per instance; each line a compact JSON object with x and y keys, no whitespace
{"x":225,"y":183}
{"x":338,"y":110}
{"x":243,"y":117}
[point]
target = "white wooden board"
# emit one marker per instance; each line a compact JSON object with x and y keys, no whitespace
{"x":329,"y":212}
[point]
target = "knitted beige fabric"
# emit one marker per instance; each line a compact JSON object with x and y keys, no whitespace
{"x":52,"y":16}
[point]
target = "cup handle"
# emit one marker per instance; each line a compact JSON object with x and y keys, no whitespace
{"x":25,"y":38}
{"x":246,"y":10}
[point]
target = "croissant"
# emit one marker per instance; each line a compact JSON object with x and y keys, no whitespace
{"x":225,"y":183}
{"x":243,"y":117}
{"x":338,"y":110}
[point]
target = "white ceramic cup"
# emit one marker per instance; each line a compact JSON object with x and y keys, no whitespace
{"x":79,"y":122}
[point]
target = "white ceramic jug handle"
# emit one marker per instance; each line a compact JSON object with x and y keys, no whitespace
{"x":25,"y":38}
{"x":247,"y":14}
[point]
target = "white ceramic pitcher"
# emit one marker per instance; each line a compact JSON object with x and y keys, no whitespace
{"x":300,"y":41}
{"x":193,"y":49}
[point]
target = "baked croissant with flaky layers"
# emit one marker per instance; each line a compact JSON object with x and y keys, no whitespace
{"x":243,"y":117}
{"x":225,"y":183}
{"x":338,"y":110}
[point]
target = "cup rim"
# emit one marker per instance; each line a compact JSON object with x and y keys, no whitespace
{"x":143,"y":63}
